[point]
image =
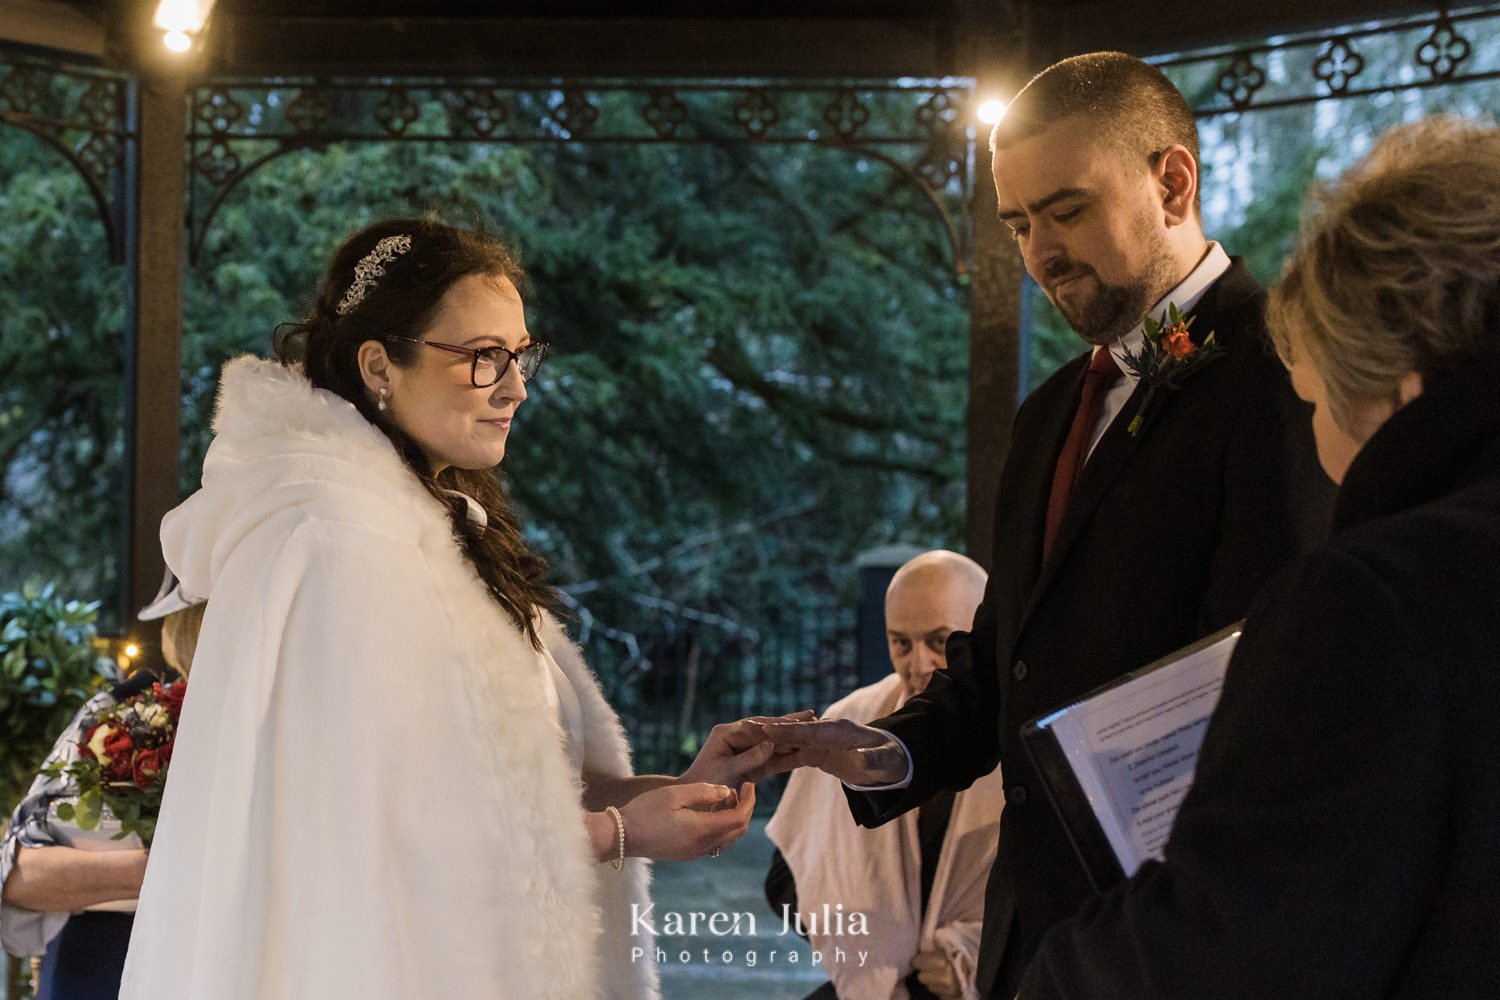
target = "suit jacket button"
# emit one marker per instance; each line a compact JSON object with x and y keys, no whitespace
{"x":1015,"y":795}
{"x":1020,"y":670}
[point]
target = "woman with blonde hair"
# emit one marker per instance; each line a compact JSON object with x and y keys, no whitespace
{"x":1343,"y":836}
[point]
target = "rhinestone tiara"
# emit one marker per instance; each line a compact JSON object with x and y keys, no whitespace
{"x":370,"y":267}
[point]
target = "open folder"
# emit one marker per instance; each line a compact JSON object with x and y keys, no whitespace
{"x":1118,"y":761}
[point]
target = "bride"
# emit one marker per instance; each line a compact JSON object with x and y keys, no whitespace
{"x":395,"y":776}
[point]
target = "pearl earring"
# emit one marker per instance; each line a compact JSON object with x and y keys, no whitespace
{"x":383,"y":393}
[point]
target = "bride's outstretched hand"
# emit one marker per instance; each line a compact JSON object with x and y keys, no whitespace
{"x":683,"y":822}
{"x":738,"y":751}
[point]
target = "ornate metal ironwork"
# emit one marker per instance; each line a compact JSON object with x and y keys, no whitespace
{"x":922,"y":128}
{"x":756,"y":112}
{"x":575,"y":114}
{"x":1337,"y":65}
{"x":85,"y":115}
{"x":1437,"y":49}
{"x":311,"y":112}
{"x":396,"y":112}
{"x":1241,"y":80}
{"x":1444,"y":51}
{"x":664,"y":112}
{"x":847,"y":114}
{"x":484,"y":110}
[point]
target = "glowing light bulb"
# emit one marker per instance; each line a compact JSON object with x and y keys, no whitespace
{"x":183,"y":15}
{"x":991,"y":111}
{"x":132,"y":650}
{"x":177,"y":41}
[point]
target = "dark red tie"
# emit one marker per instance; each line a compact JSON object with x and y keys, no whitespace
{"x":1101,"y":374}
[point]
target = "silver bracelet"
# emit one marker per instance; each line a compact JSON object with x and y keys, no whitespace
{"x":619,"y":862}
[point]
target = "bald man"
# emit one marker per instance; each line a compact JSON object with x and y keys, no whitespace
{"x":917,"y":884}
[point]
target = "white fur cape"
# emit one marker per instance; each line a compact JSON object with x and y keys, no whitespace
{"x":369,"y":797}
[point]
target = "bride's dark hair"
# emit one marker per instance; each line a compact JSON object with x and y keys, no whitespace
{"x":401,"y":303}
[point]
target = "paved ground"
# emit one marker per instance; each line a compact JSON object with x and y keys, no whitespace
{"x":739,"y":965}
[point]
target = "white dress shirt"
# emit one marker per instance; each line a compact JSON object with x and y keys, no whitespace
{"x":1185,"y":296}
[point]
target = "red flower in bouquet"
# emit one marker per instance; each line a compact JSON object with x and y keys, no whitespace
{"x":117,"y":744}
{"x":145,"y":766}
{"x":120,"y":769}
{"x":170,"y":697}
{"x":86,"y":745}
{"x":122,"y":762}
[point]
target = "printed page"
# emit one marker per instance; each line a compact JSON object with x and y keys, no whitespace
{"x":1134,"y":747}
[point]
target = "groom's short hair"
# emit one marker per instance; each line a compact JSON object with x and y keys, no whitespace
{"x":1133,"y":103}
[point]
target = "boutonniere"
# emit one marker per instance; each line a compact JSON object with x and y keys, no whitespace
{"x":1167,"y":357}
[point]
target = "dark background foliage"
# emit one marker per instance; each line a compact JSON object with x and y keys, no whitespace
{"x":759,"y":365}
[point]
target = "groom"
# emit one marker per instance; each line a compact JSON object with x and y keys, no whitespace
{"x":1123,"y":530}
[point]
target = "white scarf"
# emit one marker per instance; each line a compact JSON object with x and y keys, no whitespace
{"x":878,"y":872}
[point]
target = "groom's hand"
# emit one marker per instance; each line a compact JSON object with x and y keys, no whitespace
{"x":854,"y":754}
{"x":738,"y":751}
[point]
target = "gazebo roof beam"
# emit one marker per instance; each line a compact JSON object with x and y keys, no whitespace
{"x":51,"y":24}
{"x":713,"y":47}
{"x":1141,"y":28}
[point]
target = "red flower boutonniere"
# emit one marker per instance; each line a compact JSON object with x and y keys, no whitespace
{"x":1167,"y":357}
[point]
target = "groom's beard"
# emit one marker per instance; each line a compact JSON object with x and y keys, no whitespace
{"x":1111,"y":311}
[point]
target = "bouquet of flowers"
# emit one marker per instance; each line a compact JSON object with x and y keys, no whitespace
{"x":122,"y":762}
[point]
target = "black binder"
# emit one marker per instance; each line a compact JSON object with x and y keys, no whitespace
{"x":1140,"y":702}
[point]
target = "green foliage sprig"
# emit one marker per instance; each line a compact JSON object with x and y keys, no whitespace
{"x":50,"y":664}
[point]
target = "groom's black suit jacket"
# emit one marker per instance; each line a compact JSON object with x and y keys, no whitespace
{"x":1168,"y":536}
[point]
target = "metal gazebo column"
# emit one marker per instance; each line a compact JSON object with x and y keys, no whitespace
{"x":991,"y":50}
{"x":154,"y":247}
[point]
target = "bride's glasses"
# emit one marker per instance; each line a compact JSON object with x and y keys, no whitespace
{"x":489,"y":363}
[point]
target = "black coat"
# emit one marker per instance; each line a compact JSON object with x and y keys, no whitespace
{"x":1343,"y":835}
{"x":1169,"y":535}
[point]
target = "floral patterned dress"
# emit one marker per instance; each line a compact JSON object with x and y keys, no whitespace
{"x":83,"y":953}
